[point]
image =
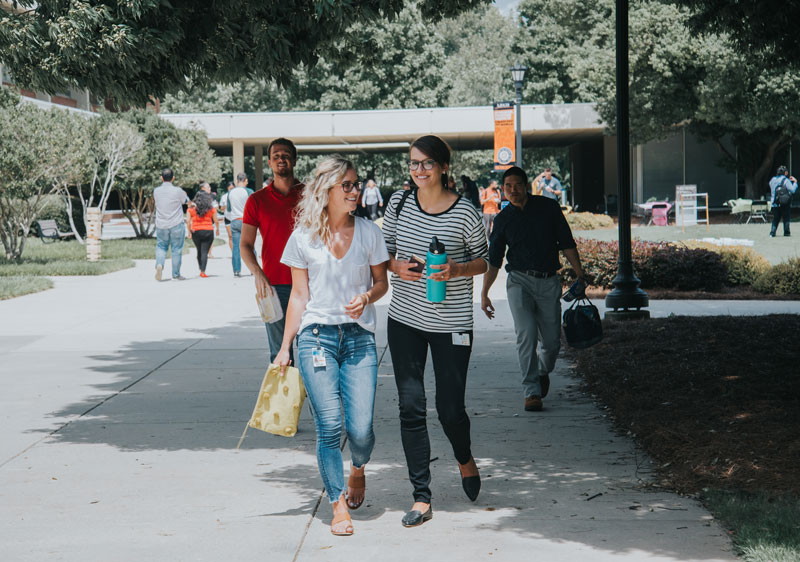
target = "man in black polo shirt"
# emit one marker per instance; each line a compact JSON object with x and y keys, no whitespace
{"x":534,"y":229}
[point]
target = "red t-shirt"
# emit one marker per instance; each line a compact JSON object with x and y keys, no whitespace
{"x":273,"y":215}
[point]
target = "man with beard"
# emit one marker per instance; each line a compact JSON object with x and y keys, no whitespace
{"x":270,"y":212}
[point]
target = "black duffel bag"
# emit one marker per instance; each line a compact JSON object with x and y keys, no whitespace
{"x":582,"y":325}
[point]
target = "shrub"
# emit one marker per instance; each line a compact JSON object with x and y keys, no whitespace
{"x":685,"y":269}
{"x":657,"y":264}
{"x":599,"y":260}
{"x":589,"y":221}
{"x":781,"y":279}
{"x":743,"y":263}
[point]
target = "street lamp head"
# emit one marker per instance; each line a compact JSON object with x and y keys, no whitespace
{"x":518,"y":74}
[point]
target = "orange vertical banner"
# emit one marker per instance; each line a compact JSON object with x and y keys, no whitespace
{"x":504,"y":135}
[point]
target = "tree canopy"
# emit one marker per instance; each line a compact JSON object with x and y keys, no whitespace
{"x":134,"y":50}
{"x":753,"y":25}
{"x":679,"y":77}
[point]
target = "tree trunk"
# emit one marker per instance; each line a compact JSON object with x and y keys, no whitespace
{"x":756,"y":184}
{"x":68,"y":204}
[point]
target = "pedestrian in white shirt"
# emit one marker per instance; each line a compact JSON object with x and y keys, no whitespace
{"x":338,"y":266}
{"x":371,"y":199}
{"x":170,"y":230}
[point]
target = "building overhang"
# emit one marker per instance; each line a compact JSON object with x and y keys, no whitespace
{"x":390,"y":130}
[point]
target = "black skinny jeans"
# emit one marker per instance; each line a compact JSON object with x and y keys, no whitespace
{"x":409,"y":348}
{"x":202,"y":241}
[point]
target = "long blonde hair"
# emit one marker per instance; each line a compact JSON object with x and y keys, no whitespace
{"x":312,"y":210}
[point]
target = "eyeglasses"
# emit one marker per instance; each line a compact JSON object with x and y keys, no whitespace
{"x":426,"y":164}
{"x":348,"y":186}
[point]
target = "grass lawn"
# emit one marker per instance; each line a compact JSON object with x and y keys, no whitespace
{"x":715,"y":401}
{"x":11,"y":287}
{"x":67,"y":258}
{"x":765,"y":528}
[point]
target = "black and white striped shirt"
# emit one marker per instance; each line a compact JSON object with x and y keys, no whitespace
{"x":460,"y":229}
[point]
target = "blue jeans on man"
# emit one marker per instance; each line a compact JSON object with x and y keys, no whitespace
{"x":236,"y":256}
{"x":345,"y":384}
{"x":170,"y":237}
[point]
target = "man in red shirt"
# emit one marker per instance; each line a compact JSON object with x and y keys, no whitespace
{"x":270,"y":212}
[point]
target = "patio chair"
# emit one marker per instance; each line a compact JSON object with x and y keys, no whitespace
{"x":659,"y":215}
{"x":758,"y":210}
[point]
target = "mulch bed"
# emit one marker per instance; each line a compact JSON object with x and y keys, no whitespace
{"x":715,"y":401}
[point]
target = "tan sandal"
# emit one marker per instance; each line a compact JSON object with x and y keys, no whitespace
{"x":356,"y":483}
{"x":338,"y":519}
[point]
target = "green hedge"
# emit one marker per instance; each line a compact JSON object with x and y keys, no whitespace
{"x":780,"y":279}
{"x":744,"y":264}
{"x":657,"y":264}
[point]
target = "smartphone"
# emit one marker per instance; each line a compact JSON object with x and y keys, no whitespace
{"x":419,"y":264}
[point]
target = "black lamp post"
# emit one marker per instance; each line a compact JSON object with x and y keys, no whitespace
{"x":518,"y":75}
{"x":626,"y":299}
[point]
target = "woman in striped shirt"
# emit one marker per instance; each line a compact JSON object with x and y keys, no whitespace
{"x":412,"y":218}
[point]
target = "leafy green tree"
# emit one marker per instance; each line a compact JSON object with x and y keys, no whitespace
{"x":678,"y":78}
{"x":407,"y":62}
{"x":132,"y":50}
{"x":29,"y":160}
{"x":753,"y":25}
{"x":184,"y":150}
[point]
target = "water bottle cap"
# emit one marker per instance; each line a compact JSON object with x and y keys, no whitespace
{"x":436,"y":247}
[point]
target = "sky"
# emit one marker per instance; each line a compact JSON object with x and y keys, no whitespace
{"x":506,"y":6}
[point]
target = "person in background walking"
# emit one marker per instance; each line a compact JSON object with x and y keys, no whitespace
{"x":490,"y":200}
{"x":201,"y":221}
{"x":549,"y":186}
{"x":226,"y":213}
{"x":205,"y":186}
{"x":782,"y":187}
{"x":470,"y":190}
{"x":237,"y":198}
{"x":415,"y":324}
{"x":533,"y":229}
{"x":270,"y":211}
{"x":338,"y":266}
{"x":371,"y":199}
{"x":169,"y":201}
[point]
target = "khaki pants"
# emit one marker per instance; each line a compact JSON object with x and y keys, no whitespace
{"x":536,"y":309}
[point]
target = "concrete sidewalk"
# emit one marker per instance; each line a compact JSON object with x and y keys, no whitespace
{"x":122,"y":401}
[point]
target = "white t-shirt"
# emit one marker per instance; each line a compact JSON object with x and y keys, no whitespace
{"x":237,"y":197}
{"x":332,"y":283}
{"x":169,"y":205}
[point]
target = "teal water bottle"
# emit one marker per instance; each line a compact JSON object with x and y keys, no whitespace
{"x":436,"y":290}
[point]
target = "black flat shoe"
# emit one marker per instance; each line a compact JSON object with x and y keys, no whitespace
{"x":416,"y":517}
{"x":472,"y":486}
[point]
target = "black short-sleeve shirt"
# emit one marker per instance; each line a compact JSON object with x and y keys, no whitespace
{"x":533,"y":235}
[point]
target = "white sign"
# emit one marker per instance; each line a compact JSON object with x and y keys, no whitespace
{"x":685,"y":210}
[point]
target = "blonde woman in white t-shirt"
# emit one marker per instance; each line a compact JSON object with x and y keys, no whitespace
{"x":338,"y":266}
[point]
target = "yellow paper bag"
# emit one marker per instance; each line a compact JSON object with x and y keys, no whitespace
{"x":279,"y":403}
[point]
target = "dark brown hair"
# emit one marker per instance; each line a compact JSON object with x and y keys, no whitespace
{"x":282,"y":142}
{"x":435,"y":148}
